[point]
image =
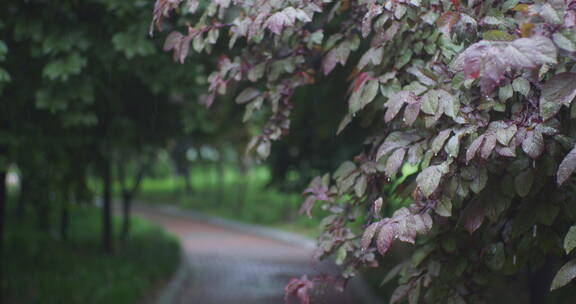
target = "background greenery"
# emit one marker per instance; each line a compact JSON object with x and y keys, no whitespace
{"x":50,"y":270}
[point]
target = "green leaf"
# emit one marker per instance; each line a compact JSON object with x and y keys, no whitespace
{"x":430,"y":102}
{"x":444,"y":207}
{"x":497,"y":35}
{"x":506,"y":134}
{"x":566,"y":274}
{"x":523,"y":182}
{"x":344,"y":170}
{"x":495,"y":257}
{"x":453,"y":146}
{"x":521,"y":85}
{"x":566,"y":39}
{"x":360,"y":185}
{"x":505,"y":92}
{"x":570,"y":240}
{"x":480,"y":181}
{"x":364,"y":96}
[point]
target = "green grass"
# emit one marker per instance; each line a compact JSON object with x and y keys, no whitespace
{"x":40,"y":268}
{"x":242,"y":197}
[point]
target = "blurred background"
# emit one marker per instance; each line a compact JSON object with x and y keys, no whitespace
{"x":96,"y":119}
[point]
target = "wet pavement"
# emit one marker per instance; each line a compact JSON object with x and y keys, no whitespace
{"x":228,"y":265}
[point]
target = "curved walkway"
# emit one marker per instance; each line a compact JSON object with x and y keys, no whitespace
{"x":229,"y":262}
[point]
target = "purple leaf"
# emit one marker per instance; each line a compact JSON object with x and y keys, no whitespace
{"x":533,"y":144}
{"x":557,"y":91}
{"x":172,"y":40}
{"x":369,"y":235}
{"x":400,"y":293}
{"x":474,"y":146}
{"x":567,"y":167}
{"x":247,"y":95}
{"x":488,"y":146}
{"x":386,"y":235}
{"x":429,"y":179}
{"x":489,"y":60}
{"x":474,"y":217}
{"x":411,"y":113}
{"x":395,"y":103}
{"x":394,"y":162}
{"x":338,"y":54}
{"x":377,"y":206}
{"x":373,"y":11}
{"x":439,"y":140}
{"x":277,"y":22}
{"x":299,"y":288}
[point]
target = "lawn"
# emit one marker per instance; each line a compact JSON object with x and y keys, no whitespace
{"x":41,"y":268}
{"x":233,"y":195}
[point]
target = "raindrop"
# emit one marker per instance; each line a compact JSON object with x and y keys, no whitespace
{"x":534,"y":230}
{"x":514,"y":260}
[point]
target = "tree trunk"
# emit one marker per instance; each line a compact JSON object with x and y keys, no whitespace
{"x":64,"y":222}
{"x":126,"y":211}
{"x":2,"y":227}
{"x":106,"y":236}
{"x":187,"y":182}
{"x":128,"y":194}
{"x":23,"y":196}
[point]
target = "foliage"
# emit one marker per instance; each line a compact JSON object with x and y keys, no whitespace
{"x":474,"y":93}
{"x":49,"y":270}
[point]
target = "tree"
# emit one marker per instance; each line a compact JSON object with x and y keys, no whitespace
{"x":477,"y":94}
{"x":86,"y":96}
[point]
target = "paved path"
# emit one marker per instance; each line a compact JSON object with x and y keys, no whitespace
{"x":231,"y":264}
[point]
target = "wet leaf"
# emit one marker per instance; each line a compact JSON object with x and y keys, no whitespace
{"x":386,"y":235}
{"x":247,"y":95}
{"x":439,"y":140}
{"x":567,"y":167}
{"x":488,"y":146}
{"x":429,"y":179}
{"x":489,"y":60}
{"x":495,"y":257}
{"x":565,"y":275}
{"x":395,"y":103}
{"x":523,"y":182}
{"x":474,"y":216}
{"x":360,"y":185}
{"x":521,"y":85}
{"x":444,"y":207}
{"x":557,"y":91}
{"x":430,"y":102}
{"x":399,"y":293}
{"x":533,"y":144}
{"x":369,"y":235}
{"x":394,"y":162}
{"x":505,"y":135}
{"x":570,"y":240}
{"x":474,"y":146}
